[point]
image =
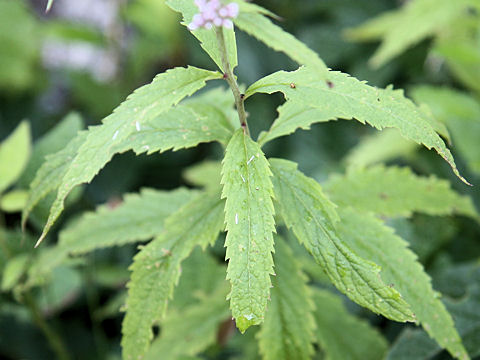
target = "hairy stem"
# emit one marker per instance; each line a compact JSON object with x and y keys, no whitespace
{"x":53,"y":338}
{"x":232,"y":82}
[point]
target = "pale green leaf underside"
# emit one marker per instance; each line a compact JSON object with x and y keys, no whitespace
{"x":397,"y":191}
{"x":343,"y":336}
{"x":192,"y":330}
{"x":249,"y":221}
{"x":262,"y":28}
{"x":208,"y":39}
{"x":370,"y":238}
{"x":138,"y":218}
{"x":312,"y":218}
{"x":344,"y":97}
{"x":403,"y":28}
{"x":142,"y":107}
{"x":379,"y":147}
{"x":14,"y":155}
{"x":287,"y":332}
{"x":156,"y":268}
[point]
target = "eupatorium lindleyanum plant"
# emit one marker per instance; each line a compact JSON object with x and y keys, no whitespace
{"x":251,"y":197}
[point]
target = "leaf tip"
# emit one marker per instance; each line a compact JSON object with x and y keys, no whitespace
{"x":39,"y":241}
{"x":245,"y":321}
{"x":49,"y":6}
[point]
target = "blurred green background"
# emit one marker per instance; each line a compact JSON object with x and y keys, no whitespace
{"x":65,"y":70}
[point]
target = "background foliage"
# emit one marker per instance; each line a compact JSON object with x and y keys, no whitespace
{"x":70,"y":68}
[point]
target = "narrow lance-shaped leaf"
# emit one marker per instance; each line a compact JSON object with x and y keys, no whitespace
{"x":249,"y":217}
{"x":14,"y":155}
{"x":369,"y":237}
{"x":395,"y":191}
{"x":343,"y":97}
{"x":207,"y":37}
{"x":461,"y":112}
{"x":184,"y":126}
{"x":403,"y":28}
{"x":49,"y":176}
{"x":138,"y":218}
{"x":253,"y":22}
{"x":312,"y":216}
{"x":156,"y":268}
{"x":207,"y":174}
{"x":52,"y":142}
{"x":343,"y":336}
{"x":192,"y":330}
{"x":287,"y":332}
{"x":379,"y":147}
{"x":102,"y":141}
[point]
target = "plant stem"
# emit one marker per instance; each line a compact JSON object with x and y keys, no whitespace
{"x":232,"y":82}
{"x":53,"y":338}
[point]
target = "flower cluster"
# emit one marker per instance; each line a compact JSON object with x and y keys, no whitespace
{"x":213,"y":13}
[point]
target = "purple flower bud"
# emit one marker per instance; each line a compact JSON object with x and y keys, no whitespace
{"x":209,"y":14}
{"x":201,"y":4}
{"x":233,"y":10}
{"x":212,"y":13}
{"x":218,"y":21}
{"x":197,"y":22}
{"x":223,"y":12}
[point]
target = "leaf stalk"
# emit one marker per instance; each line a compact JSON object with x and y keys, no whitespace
{"x":231,"y":80}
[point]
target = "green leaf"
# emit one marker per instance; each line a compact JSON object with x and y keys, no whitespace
{"x":192,"y":330}
{"x":370,"y":238}
{"x":207,"y":38}
{"x":143,"y":106}
{"x":344,"y":97}
{"x":156,"y":268}
{"x":184,"y":126}
{"x":194,"y":285}
{"x":413,"y":344}
{"x":65,"y":283}
{"x":139,"y":218}
{"x":206,"y":174}
{"x":291,"y":117}
{"x":342,"y":335}
{"x":13,"y":271}
{"x":260,"y":27}
{"x":287,"y":332}
{"x":380,"y":147}
{"x":403,"y":28}
{"x":13,"y":201}
{"x":55,"y":140}
{"x":14,"y":155}
{"x":249,"y":217}
{"x":49,"y":176}
{"x":397,"y":191}
{"x":461,"y":113}
{"x":312,"y":218}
